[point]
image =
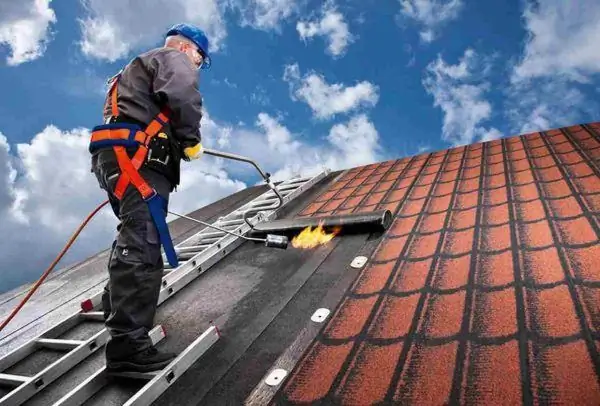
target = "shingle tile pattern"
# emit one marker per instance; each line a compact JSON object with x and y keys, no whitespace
{"x":485,"y":289}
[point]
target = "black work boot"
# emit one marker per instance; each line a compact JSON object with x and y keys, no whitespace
{"x":147,"y":360}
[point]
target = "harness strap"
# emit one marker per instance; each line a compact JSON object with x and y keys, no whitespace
{"x":133,"y":176}
{"x":130,"y":170}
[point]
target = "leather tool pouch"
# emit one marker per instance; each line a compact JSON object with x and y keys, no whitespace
{"x":159,"y":151}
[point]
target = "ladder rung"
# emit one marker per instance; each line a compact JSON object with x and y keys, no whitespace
{"x":209,"y":234}
{"x":227,"y":223}
{"x":265,"y":201}
{"x":96,"y":316}
{"x":193,"y":248}
{"x":286,"y":187}
{"x":298,"y":180}
{"x":209,"y":240}
{"x":58,"y":344}
{"x":187,"y":255}
{"x":168,"y":266}
{"x":13,"y":380}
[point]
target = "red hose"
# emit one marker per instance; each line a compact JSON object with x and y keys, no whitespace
{"x":47,"y":272}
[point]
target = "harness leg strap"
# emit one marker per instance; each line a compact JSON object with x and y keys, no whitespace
{"x":156,"y":204}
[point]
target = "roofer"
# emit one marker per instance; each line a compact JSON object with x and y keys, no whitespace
{"x":152,"y":119}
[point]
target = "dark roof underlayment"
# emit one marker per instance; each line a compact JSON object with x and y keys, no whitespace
{"x":484,"y":289}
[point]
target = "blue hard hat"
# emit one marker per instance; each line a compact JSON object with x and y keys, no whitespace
{"x":197,"y":36}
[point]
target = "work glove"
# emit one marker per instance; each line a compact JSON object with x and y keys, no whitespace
{"x":194,"y":152}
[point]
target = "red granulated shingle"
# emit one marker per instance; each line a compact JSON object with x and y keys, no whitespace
{"x":466,"y":200}
{"x":442,"y":315}
{"x":575,"y":231}
{"x":493,"y":375}
{"x":373,"y":278}
{"x":368,"y":378}
{"x":552,"y":312}
{"x":495,"y":215}
{"x":531,"y":211}
{"x":579,"y":170}
{"x":588,"y":185}
{"x":411,"y":275}
{"x":495,"y":270}
{"x":592,"y":203}
{"x":478,"y":291}
{"x":565,"y":207}
{"x":494,"y":314}
{"x":350,"y":318}
{"x":427,"y":378}
{"x":452,"y":273}
{"x":394,"y":318}
{"x":390,"y":249}
{"x":495,"y":238}
{"x":402,"y":226}
{"x":535,"y":235}
{"x":432,"y":223}
{"x":423,"y":246}
{"x":492,"y":197}
{"x":568,"y":375}
{"x":523,"y":177}
{"x":458,"y":242}
{"x":317,"y":372}
{"x":462,"y":219}
{"x":542,"y":266}
{"x":583,"y":262}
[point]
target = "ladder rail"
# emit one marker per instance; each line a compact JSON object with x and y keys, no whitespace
{"x":95,"y":382}
{"x":55,"y":370}
{"x":166,"y":377}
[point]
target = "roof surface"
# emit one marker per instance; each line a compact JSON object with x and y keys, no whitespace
{"x":483,"y":290}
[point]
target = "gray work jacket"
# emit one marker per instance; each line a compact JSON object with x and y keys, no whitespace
{"x":162,"y":75}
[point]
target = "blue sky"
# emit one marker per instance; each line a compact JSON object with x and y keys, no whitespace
{"x":294,"y":84}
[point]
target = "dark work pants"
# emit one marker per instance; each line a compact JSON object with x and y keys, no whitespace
{"x":135,"y":266}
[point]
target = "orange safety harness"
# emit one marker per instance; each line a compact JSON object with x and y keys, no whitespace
{"x":120,"y":136}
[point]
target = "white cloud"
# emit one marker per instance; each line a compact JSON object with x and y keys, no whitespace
{"x":25,"y":28}
{"x":46,"y":202}
{"x":111,"y":31}
{"x":332,"y":26}
{"x":559,"y":60}
{"x":265,"y":15}
{"x":546,"y":104}
{"x":430,"y":14}
{"x":285,"y":154}
{"x":260,"y":96}
{"x":460,"y":91}
{"x":328,"y":100}
{"x":357,"y":140}
{"x":562,"y":40}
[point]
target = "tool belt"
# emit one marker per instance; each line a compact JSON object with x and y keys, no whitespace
{"x":121,"y":137}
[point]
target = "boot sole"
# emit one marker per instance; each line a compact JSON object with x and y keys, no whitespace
{"x":125,"y":366}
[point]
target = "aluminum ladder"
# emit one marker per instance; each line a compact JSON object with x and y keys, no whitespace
{"x":197,"y":254}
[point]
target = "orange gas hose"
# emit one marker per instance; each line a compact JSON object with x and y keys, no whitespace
{"x":47,"y":272}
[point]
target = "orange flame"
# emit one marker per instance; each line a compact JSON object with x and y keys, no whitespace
{"x":310,"y":238}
